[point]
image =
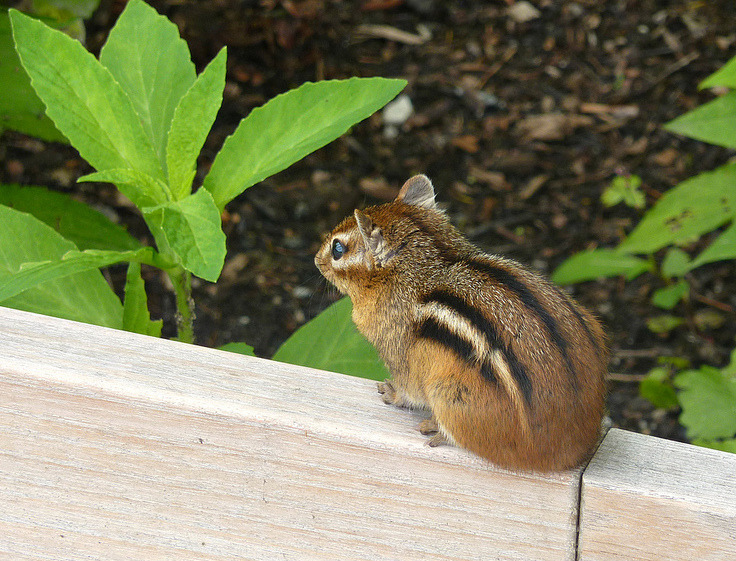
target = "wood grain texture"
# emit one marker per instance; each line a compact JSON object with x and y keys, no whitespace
{"x":119,"y":446}
{"x":646,"y":498}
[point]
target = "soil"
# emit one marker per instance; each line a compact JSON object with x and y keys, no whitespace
{"x":521,"y":116}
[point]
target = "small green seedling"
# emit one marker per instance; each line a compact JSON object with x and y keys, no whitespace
{"x":624,"y":189}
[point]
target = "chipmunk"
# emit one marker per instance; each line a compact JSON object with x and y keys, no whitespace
{"x":510,"y":367}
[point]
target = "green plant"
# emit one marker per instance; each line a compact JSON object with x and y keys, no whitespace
{"x":690,"y":210}
{"x":624,"y":188}
{"x":331,"y":342}
{"x":707,"y":397}
{"x":140,"y":116}
{"x":686,"y":212}
{"x":20,"y":108}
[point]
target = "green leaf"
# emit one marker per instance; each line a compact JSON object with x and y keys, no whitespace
{"x":667,"y":298}
{"x":725,"y":76}
{"x":611,"y":197}
{"x":597,"y":263}
{"x":331,"y":342}
{"x":77,"y":222}
{"x":708,"y":400}
{"x":191,"y":229}
{"x":657,"y":388}
{"x":674,"y":362}
{"x":192,"y":121}
{"x":724,"y":247}
{"x":695,"y":206}
{"x":289,"y":127}
{"x":142,"y":189}
{"x":708,"y":319}
{"x":32,"y":273}
{"x":136,"y":317}
{"x":66,"y":15}
{"x":713,"y":122}
{"x":676,"y":263}
{"x":82,"y":297}
{"x":626,"y":189}
{"x":722,"y":445}
{"x":664,"y":323}
{"x":83,"y":99}
{"x":20,"y":108}
{"x":152,"y":64}
{"x":239,"y":348}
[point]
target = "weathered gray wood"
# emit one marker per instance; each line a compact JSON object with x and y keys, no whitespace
{"x":118,"y":446}
{"x":646,"y":498}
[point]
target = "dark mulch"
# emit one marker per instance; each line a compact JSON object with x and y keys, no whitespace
{"x":520,"y":125}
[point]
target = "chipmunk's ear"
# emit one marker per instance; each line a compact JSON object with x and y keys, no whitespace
{"x":418,"y":191}
{"x":375,"y":243}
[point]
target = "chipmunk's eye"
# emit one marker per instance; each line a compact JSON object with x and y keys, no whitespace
{"x":338,"y":249}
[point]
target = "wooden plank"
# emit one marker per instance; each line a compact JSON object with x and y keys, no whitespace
{"x":646,"y":498}
{"x":119,"y":446}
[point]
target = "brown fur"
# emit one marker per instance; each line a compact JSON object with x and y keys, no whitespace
{"x":510,"y":367}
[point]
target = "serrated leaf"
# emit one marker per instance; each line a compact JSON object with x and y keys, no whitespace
{"x":664,"y":323}
{"x":83,"y":296}
{"x":191,"y":123}
{"x":20,"y":108}
{"x":142,"y":189}
{"x":598,"y":263}
{"x":152,"y":64}
{"x":713,"y":122}
{"x":136,"y":317}
{"x":238,"y":348}
{"x":75,"y":221}
{"x":708,"y":399}
{"x":695,"y":206}
{"x":331,"y":342}
{"x":657,"y":389}
{"x":725,"y":76}
{"x":83,"y":99}
{"x":667,"y":298}
{"x":723,"y":248}
{"x":289,"y":127}
{"x":192,"y":230}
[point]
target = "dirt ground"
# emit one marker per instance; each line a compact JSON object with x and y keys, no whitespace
{"x":521,"y":114}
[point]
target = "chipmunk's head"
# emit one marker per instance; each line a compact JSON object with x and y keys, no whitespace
{"x":367,"y":245}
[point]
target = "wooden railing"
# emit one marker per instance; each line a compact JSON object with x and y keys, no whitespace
{"x":120,"y":446}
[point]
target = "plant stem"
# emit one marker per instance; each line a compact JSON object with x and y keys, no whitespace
{"x":182,"y":281}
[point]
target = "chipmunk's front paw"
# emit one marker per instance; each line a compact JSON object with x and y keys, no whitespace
{"x":428,"y":426}
{"x":388,"y":392}
{"x":438,"y":439}
{"x":393,"y":394}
